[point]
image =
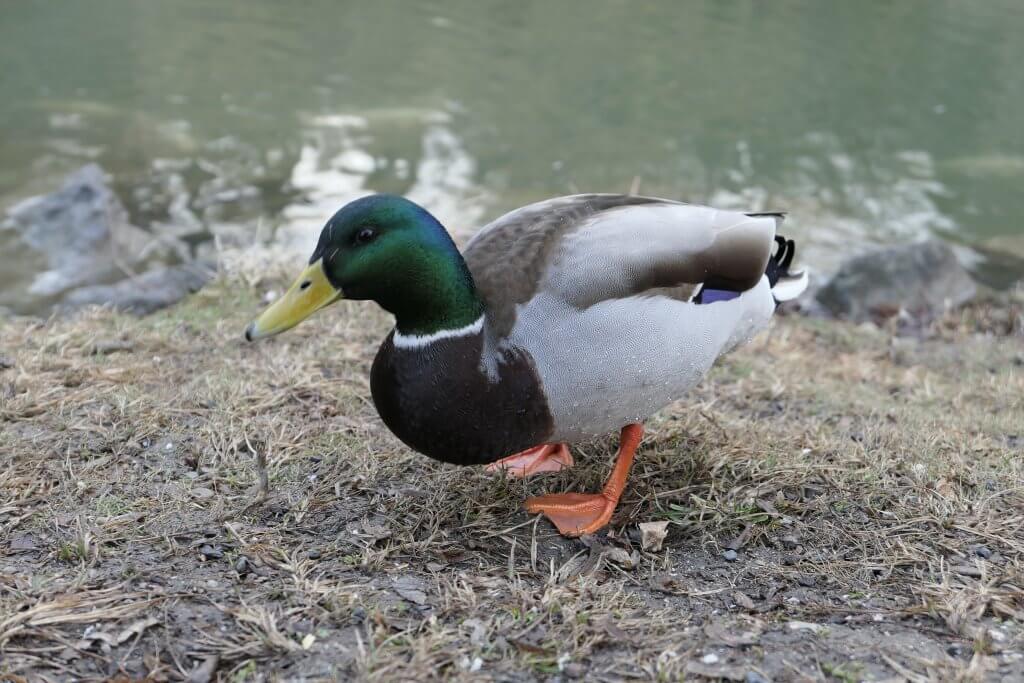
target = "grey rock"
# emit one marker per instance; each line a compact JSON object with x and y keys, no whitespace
{"x":730,"y":556}
{"x":211,"y":552}
{"x":81,"y":231}
{"x":922,"y":279}
{"x":145,"y":293}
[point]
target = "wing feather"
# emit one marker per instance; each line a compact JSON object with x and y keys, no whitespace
{"x":590,"y":248}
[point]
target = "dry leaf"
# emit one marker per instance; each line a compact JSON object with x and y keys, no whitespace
{"x":621,"y":557}
{"x":376,"y":532}
{"x":743,"y":600}
{"x":410,"y":588}
{"x":730,"y":634}
{"x":652,"y":535}
{"x":135,"y":628}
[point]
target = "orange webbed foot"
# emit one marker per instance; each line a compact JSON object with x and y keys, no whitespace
{"x":546,"y":458}
{"x":576,"y":514}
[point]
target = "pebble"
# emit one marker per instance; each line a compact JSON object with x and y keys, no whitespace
{"x":754,"y":677}
{"x":730,"y":556}
{"x":242,"y":565}
{"x":982,"y":551}
{"x":211,"y":552}
{"x":710,"y":658}
{"x":313,"y":554}
{"x":574,"y":670}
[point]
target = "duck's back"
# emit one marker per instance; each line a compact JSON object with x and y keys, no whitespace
{"x":623,"y":303}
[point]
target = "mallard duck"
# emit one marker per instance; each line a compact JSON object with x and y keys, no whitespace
{"x":561,"y":321}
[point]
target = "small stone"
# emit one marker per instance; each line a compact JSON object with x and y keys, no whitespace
{"x":211,"y":552}
{"x":754,"y":677}
{"x":242,"y":565}
{"x":574,"y":670}
{"x":730,"y":556}
{"x":982,"y":551}
{"x":710,"y":658}
{"x":313,"y":554}
{"x":955,"y":650}
{"x":359,"y":614}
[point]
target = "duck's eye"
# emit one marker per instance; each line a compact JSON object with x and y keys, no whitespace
{"x":365,"y":235}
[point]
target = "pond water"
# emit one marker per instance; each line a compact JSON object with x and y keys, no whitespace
{"x":870,"y":122}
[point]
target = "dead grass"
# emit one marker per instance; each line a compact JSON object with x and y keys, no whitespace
{"x":870,"y":486}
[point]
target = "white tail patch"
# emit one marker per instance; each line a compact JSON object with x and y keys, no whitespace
{"x":791,"y":286}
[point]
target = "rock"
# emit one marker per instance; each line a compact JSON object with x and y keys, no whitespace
{"x":145,"y":293}
{"x":76,"y":236}
{"x":730,"y":556}
{"x":574,"y":670}
{"x":211,"y":552}
{"x":923,"y":279}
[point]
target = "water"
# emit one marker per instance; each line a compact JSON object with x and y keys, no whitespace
{"x":870,"y":122}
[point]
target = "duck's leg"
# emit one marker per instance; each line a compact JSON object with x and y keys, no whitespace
{"x":546,"y":458}
{"x":576,"y":514}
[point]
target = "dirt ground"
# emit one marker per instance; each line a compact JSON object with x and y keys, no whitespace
{"x":842,"y":504}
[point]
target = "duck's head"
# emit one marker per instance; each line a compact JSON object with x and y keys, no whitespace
{"x":388,"y":249}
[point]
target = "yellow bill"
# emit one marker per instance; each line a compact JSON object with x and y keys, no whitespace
{"x":311,"y":292}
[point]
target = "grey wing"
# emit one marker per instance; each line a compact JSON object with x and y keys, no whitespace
{"x":589,"y":248}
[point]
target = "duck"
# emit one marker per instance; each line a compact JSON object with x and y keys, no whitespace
{"x":561,"y":321}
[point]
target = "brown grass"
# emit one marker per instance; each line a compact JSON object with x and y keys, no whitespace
{"x":871,"y":485}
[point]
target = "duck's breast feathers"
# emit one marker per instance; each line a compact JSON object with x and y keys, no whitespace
{"x":585,"y":249}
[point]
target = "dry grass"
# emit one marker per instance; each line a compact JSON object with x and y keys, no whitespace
{"x":870,"y":485}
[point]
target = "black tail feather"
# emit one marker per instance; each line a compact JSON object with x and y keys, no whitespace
{"x":781,"y":260}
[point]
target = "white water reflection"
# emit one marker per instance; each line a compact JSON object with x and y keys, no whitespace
{"x":838,"y":205}
{"x":336,"y":165}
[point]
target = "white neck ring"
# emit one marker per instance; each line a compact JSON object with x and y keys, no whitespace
{"x":416,"y":341}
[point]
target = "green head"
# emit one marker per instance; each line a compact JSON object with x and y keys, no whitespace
{"x":392,"y":251}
